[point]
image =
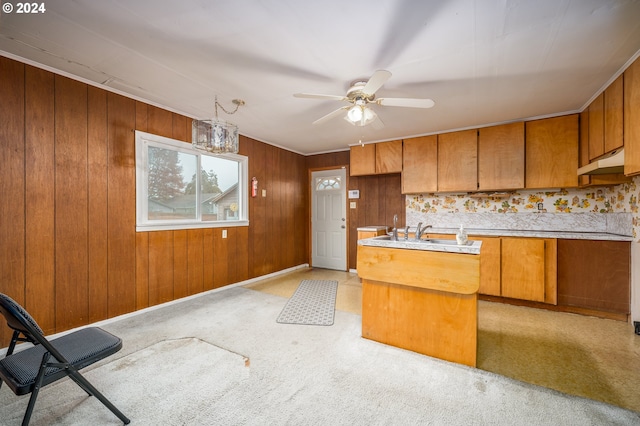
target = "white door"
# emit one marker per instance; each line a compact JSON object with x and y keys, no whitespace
{"x":329,"y":219}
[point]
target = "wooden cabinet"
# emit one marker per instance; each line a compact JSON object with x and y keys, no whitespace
{"x":420,"y":165}
{"x":458,"y":161}
{"x":362,"y":160}
{"x":552,"y":152}
{"x":489,"y":262}
{"x":613,"y":115}
{"x":594,"y":275}
{"x":490,"y":277}
{"x":632,"y":119}
{"x":516,"y":267}
{"x":389,"y":157}
{"x":501,"y":157}
{"x":376,"y":158}
{"x":593,"y":180}
{"x":596,"y":127}
{"x":528,"y":268}
{"x":605,"y":120}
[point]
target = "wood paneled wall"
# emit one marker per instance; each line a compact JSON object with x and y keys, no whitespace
{"x":70,"y":252}
{"x":380,"y":198}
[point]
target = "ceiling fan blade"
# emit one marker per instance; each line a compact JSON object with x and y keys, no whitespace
{"x":316,"y":96}
{"x":331,"y":115}
{"x":406,"y":102}
{"x":376,"y":81}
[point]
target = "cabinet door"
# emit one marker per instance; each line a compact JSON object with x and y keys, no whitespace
{"x":632,"y":119}
{"x":389,"y":157}
{"x":552,"y":152}
{"x":523,"y":268}
{"x":420,"y":165}
{"x":594,"y":274}
{"x":596,"y":127}
{"x":458,"y":161}
{"x":613,"y":114}
{"x":501,"y":157}
{"x":489,"y":265}
{"x":362,"y":159}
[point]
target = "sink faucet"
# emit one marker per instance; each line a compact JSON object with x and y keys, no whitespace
{"x":395,"y":227}
{"x":420,"y":230}
{"x":406,"y":232}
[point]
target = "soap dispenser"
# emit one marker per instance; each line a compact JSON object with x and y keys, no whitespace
{"x":461,"y":236}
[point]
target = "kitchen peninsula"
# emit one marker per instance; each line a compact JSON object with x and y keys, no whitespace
{"x":421,"y":296}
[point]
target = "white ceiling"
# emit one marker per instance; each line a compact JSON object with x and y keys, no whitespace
{"x":481,"y":61}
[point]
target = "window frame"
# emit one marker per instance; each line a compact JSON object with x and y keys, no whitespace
{"x":142,"y":142}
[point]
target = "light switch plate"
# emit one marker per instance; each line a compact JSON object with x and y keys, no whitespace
{"x":264,"y":192}
{"x":352,"y":205}
{"x":224,"y":233}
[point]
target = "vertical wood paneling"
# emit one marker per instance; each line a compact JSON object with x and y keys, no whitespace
{"x":97,"y":169}
{"x":242,"y":247}
{"x":180,"y":271}
{"x":39,"y":197}
{"x":257,"y":209}
{"x":71,"y":198}
{"x":180,"y":128}
{"x":160,"y":121}
{"x":208,"y":254}
{"x":12,"y":184}
{"x":121,"y":212}
{"x":220,"y":259}
{"x":195,"y":261}
{"x":71,"y":254}
{"x":160,"y":267}
{"x":142,"y":270}
{"x":142,"y":238}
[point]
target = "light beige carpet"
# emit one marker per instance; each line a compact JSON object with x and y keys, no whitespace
{"x":222,"y":359}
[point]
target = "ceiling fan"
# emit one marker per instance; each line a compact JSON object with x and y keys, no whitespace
{"x":360,"y":95}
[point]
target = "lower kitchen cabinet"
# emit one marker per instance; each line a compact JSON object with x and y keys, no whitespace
{"x":517,"y":267}
{"x":595,"y":275}
{"x":529,"y":269}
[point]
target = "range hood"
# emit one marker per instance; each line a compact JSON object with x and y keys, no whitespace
{"x":612,"y":163}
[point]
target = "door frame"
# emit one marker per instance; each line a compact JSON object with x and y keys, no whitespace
{"x":309,"y":210}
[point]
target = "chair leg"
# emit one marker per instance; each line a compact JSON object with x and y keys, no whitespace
{"x":36,"y":389}
{"x":91,"y":390}
{"x":12,"y":346}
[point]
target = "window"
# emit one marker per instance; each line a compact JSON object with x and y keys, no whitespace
{"x":170,"y":194}
{"x":327,"y":183}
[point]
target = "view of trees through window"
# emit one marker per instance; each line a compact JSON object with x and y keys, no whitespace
{"x":173,"y":186}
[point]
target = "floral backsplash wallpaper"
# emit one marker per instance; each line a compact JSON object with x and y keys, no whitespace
{"x":621,"y":198}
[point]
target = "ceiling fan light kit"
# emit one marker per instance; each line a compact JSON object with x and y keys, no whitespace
{"x":360,"y":94}
{"x":215,"y":136}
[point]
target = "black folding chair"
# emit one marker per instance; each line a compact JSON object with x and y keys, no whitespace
{"x":29,"y":370}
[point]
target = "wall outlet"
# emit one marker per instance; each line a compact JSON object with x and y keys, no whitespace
{"x":224,"y":233}
{"x":264,"y":192}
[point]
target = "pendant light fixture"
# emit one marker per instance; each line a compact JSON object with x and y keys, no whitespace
{"x":215,"y":136}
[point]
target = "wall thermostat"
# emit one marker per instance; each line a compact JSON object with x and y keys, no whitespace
{"x":354,"y":193}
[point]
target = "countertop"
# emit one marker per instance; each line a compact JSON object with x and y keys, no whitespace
{"x":531,"y":233}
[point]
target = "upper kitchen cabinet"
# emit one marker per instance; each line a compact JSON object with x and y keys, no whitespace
{"x":632,"y":119}
{"x":552,"y":152}
{"x":458,"y":161}
{"x":376,"y":158}
{"x":613,"y":115}
{"x":501,"y":157}
{"x":362,"y":159}
{"x":585,"y":145}
{"x":420,"y":165}
{"x":596,"y":127}
{"x":389,"y":157}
